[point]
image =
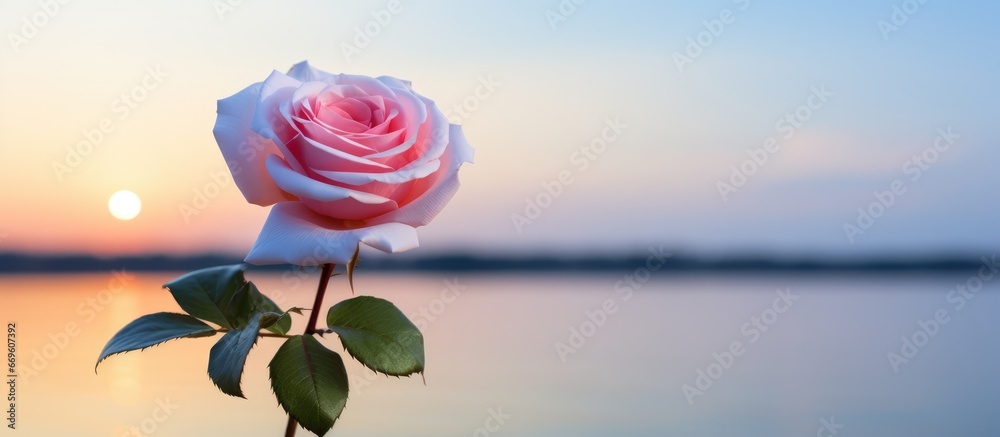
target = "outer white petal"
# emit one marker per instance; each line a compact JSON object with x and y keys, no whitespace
{"x":395,"y":83}
{"x":294,"y":234}
{"x":369,"y":85}
{"x":422,"y":210}
{"x":461,"y":149}
{"x":307,"y":73}
{"x":244,"y":150}
{"x":275,"y":98}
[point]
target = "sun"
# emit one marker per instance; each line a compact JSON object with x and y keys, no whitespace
{"x":124,"y":205}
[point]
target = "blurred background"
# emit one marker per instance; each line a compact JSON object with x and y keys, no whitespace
{"x":723,"y":217}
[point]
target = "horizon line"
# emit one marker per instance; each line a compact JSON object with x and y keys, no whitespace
{"x":467,"y":261}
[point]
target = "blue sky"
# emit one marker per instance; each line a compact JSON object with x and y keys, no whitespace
{"x":657,"y":183}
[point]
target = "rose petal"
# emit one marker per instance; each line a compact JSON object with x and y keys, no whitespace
{"x":376,"y":106}
{"x":329,"y":157}
{"x":271,"y":118}
{"x":328,"y":199}
{"x":436,"y":190}
{"x":414,"y":112}
{"x":377,"y":142}
{"x":439,"y":129}
{"x":323,"y":135}
{"x":244,"y":150}
{"x":304,"y":187}
{"x":357,"y":110}
{"x":395,"y":177}
{"x":346,"y":91}
{"x":294,"y":234}
{"x":369,"y":85}
{"x":365,"y":84}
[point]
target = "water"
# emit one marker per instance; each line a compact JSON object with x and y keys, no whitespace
{"x":492,"y":351}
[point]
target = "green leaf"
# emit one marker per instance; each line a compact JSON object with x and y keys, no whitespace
{"x":208,"y":293}
{"x":223,"y":296}
{"x":278,"y":323}
{"x":310,"y":382}
{"x":153,"y":329}
{"x":249,"y":301}
{"x":351,"y":265}
{"x":269,"y":319}
{"x":377,"y":334}
{"x":229,"y":356}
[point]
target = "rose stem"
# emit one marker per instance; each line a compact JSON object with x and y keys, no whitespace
{"x":324,"y":279}
{"x":290,"y":428}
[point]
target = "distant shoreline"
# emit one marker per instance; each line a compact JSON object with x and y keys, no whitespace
{"x":16,"y":263}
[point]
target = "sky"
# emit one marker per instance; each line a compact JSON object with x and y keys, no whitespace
{"x":854,"y":95}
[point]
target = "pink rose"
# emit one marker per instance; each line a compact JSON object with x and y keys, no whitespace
{"x":345,"y":159}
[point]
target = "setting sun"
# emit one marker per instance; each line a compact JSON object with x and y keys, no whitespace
{"x":124,"y":205}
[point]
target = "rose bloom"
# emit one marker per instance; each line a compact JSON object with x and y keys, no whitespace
{"x":344,"y":160}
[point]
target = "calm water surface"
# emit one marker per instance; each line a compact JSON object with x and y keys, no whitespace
{"x":492,"y":351}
